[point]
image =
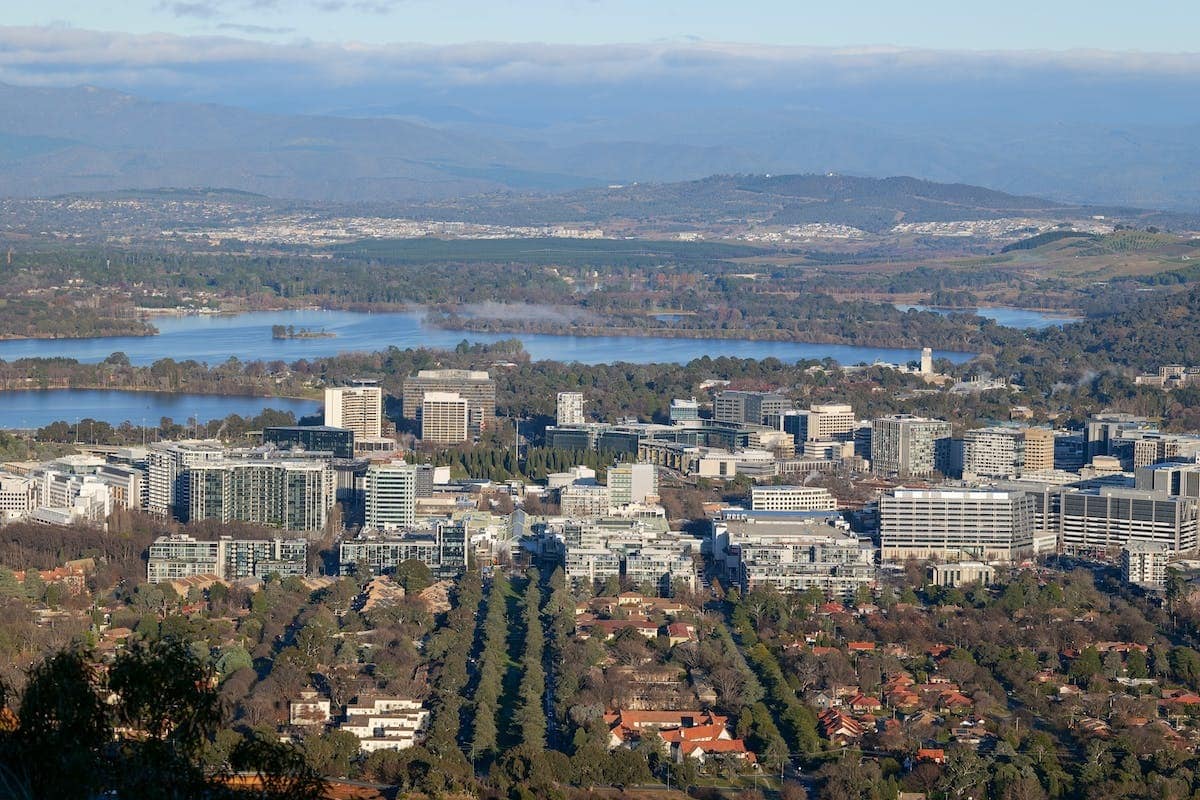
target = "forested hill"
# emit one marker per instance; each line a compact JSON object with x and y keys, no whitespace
{"x":1159,"y":329}
{"x":870,"y":204}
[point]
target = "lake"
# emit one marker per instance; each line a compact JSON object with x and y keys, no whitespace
{"x":1023,"y":318}
{"x":213,"y":339}
{"x":34,"y":408}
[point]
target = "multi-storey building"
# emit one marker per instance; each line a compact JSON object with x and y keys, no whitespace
{"x":993,"y":452}
{"x":791,"y":498}
{"x":339,"y":442}
{"x":1145,"y":563}
{"x":956,"y":525}
{"x":391,"y":495}
{"x":474,"y":386}
{"x":663,"y":566}
{"x":181,"y":556}
{"x":441,"y":547}
{"x":821,"y":422}
{"x":684,"y":410}
{"x":385,"y":723}
{"x":790,"y":551}
{"x":570,"y":408}
{"x":18,"y":496}
{"x":444,"y":418}
{"x":292,"y":494}
{"x":910,"y":447}
{"x":358,"y":408}
{"x":582,"y":500}
{"x":167,"y":467}
{"x":1100,"y":521}
{"x":630,"y":484}
{"x":748,"y":407}
{"x":1175,"y":477}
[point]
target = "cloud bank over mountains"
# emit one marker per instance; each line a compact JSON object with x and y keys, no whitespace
{"x":1081,"y":126}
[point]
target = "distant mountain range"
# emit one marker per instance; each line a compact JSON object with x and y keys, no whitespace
{"x":84,"y":139}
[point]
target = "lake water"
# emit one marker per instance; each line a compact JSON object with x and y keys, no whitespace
{"x":33,"y":408}
{"x":1003,"y":315}
{"x":213,"y":339}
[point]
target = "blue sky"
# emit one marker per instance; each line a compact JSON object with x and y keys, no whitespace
{"x":1150,"y":25}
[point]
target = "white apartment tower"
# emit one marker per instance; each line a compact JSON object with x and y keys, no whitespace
{"x":391,"y":495}
{"x":358,"y":408}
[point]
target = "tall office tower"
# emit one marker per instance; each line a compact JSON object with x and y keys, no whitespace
{"x":391,"y":495}
{"x":1039,"y":450}
{"x":955,"y":525}
{"x":358,"y":407}
{"x":474,"y":386}
{"x":444,"y":418}
{"x":748,"y":407}
{"x":570,"y":408}
{"x":632,"y":483}
{"x":167,"y":465}
{"x":910,"y":447}
{"x":820,"y":423}
{"x":1102,"y":432}
{"x":292,"y":494}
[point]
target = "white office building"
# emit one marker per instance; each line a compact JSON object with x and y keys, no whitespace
{"x":956,"y":525}
{"x":791,"y":498}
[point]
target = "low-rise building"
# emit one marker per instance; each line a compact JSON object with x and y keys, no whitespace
{"x":386,"y":723}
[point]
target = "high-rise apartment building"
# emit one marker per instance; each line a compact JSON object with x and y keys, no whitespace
{"x":910,"y":447}
{"x":292,"y":494}
{"x":956,"y":525}
{"x":358,"y":407}
{"x":474,"y":386}
{"x":570,"y":408}
{"x":1002,"y":452}
{"x":391,"y":495}
{"x":167,"y":467}
{"x":444,"y":418}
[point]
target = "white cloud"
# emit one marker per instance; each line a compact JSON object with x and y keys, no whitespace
{"x":56,"y":54}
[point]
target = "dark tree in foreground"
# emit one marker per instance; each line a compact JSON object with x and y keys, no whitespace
{"x":138,"y":731}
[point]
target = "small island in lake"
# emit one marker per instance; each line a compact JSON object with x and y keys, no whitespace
{"x":292,"y":332}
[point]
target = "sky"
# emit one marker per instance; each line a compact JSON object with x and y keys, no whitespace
{"x":1164,"y":26}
